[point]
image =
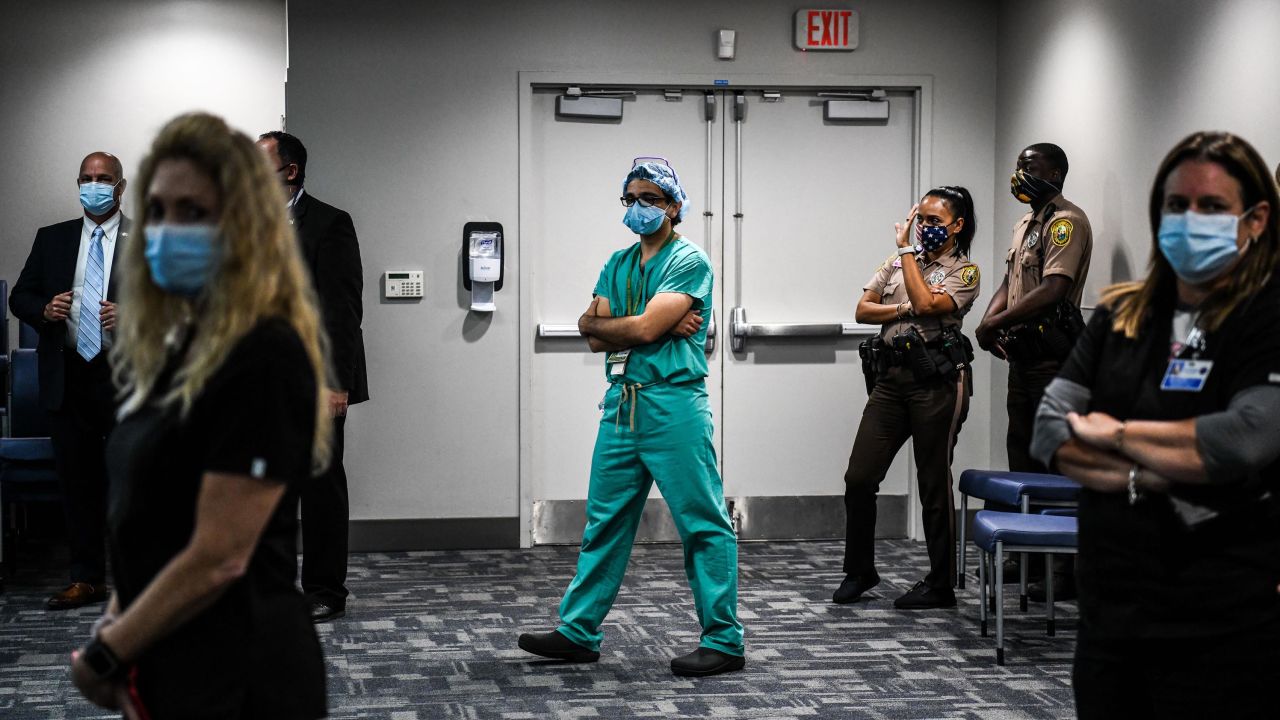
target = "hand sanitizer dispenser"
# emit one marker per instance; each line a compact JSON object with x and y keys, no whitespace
{"x":482,"y":242}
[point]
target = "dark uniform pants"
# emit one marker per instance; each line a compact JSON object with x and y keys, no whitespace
{"x":1228,"y":676}
{"x":1026,"y":386}
{"x":79,"y":433}
{"x":325,"y":515}
{"x":900,"y":408}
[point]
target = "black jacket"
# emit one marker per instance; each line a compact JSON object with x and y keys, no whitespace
{"x":328,"y":241}
{"x":50,"y":270}
{"x":1141,"y":572}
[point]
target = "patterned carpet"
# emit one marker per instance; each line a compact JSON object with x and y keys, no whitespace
{"x":432,"y":635}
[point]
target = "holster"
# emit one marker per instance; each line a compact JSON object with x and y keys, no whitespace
{"x":869,"y":351}
{"x":1050,"y":337}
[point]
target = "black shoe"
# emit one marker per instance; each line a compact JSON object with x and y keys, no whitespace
{"x":324,"y":612}
{"x":923,"y":597}
{"x":1013,"y":568}
{"x":557,"y":647}
{"x":705,"y":661}
{"x":1064,"y":588}
{"x":852,"y":587}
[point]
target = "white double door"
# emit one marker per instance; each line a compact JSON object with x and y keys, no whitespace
{"x":796,"y":213}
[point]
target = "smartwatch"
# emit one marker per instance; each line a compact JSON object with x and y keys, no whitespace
{"x":909,"y":249}
{"x":102,"y":660}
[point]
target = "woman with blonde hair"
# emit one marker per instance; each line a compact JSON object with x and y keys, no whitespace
{"x":219,"y":356}
{"x":1168,"y":412}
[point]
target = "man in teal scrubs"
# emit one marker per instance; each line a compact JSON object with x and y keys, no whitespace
{"x":647,"y":316}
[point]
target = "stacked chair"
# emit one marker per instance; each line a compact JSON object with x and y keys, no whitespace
{"x":1045,"y":524}
{"x":27,"y":472}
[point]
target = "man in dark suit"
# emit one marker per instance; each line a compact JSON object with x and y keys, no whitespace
{"x":67,"y":292}
{"x":328,"y":241}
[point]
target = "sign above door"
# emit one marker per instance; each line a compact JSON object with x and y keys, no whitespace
{"x":830,"y":29}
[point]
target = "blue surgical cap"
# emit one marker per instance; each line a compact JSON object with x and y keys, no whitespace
{"x":663,"y":176}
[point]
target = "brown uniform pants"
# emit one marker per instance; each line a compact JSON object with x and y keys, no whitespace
{"x":900,"y":408}
{"x":1026,"y":386}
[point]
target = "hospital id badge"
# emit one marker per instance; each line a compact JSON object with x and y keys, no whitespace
{"x":1186,"y":375}
{"x":617,"y":362}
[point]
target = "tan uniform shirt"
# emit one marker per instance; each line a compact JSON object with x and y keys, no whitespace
{"x":958,"y":276}
{"x":1055,"y":241}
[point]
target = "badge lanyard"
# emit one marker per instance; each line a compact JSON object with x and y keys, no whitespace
{"x":633,"y":305}
{"x":617,"y":361}
{"x":1188,"y":374}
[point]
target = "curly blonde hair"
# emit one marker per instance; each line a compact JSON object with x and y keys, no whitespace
{"x":260,"y":275}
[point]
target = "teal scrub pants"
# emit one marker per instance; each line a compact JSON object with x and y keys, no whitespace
{"x":669,"y":442}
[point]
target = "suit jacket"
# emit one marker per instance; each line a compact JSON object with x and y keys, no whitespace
{"x":50,"y":270}
{"x":328,"y":241}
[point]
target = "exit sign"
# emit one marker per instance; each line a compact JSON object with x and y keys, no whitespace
{"x":826,"y":30}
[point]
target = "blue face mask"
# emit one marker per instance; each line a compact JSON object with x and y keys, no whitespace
{"x":644,"y":220}
{"x":1200,"y":247}
{"x":98,"y":198}
{"x":931,"y":237}
{"x":182,"y":258}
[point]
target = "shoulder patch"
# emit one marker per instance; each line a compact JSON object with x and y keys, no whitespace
{"x":1060,"y":232}
{"x":969,"y":275}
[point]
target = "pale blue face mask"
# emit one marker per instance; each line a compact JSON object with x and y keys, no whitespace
{"x":182,"y":258}
{"x":98,"y":198}
{"x":644,"y":220}
{"x":1199,"y":246}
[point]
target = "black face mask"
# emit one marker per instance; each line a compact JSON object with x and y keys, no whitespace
{"x":1028,"y":188}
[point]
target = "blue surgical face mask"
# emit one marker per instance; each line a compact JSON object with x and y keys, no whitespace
{"x":644,"y":220}
{"x":931,"y":237}
{"x":1200,"y":247}
{"x":182,"y":258}
{"x":98,"y":198}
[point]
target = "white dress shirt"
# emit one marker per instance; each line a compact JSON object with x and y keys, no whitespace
{"x":110,"y":229}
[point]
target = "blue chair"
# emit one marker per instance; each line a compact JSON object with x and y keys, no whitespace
{"x":27,"y":471}
{"x":1014,"y":489}
{"x":996,"y":533}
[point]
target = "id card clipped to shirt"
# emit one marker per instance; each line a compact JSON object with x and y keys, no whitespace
{"x":1186,"y":375}
{"x":617,"y":362}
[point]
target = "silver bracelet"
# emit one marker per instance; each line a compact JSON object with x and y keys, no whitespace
{"x":1134,"y":473}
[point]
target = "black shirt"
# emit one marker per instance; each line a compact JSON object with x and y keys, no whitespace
{"x":254,"y":653}
{"x":1142,"y":571}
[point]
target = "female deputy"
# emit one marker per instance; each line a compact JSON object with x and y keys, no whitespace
{"x":1180,"y":516}
{"x":919,"y":365}
{"x":219,"y":358}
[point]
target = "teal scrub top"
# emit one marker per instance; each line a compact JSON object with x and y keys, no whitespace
{"x":680,"y":267}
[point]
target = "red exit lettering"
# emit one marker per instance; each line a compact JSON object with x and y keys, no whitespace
{"x":828,"y":28}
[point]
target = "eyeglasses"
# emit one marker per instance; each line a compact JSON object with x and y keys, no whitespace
{"x":645,"y":200}
{"x":658,"y":160}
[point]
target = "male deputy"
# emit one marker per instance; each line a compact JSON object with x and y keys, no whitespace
{"x":327,"y":238}
{"x":67,"y":293}
{"x":1045,"y":272}
{"x":1034,"y":317}
{"x":647,"y":315}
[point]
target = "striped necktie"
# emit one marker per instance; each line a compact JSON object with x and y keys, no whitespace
{"x":89,"y":335}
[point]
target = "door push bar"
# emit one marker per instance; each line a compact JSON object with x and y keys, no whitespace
{"x":551,"y":330}
{"x":740,"y":329}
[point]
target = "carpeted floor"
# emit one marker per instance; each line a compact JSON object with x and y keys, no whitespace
{"x":432,"y":635}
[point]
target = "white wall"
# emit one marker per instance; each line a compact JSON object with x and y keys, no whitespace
{"x":409,"y":111}
{"x":1117,"y":84}
{"x":76,"y":78}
